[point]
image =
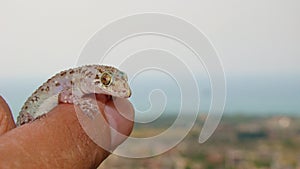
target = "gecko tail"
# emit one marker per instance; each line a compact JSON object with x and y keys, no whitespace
{"x":24,"y":118}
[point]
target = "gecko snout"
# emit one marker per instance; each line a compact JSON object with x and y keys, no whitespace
{"x":128,"y":93}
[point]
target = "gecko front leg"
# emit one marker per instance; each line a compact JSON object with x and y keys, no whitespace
{"x":66,"y":96}
{"x":88,"y":105}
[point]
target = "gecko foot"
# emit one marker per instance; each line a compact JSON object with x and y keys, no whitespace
{"x":88,"y":106}
{"x":66,"y":97}
{"x":41,"y":116}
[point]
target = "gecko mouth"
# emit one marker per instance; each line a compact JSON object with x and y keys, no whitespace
{"x":104,"y":98}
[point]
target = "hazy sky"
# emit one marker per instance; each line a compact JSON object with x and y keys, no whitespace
{"x":251,"y":36}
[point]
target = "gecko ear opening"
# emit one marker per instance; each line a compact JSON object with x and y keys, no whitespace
{"x":106,"y":79}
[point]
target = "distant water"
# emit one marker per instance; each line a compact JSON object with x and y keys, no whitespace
{"x":264,"y":95}
{"x":245,"y":95}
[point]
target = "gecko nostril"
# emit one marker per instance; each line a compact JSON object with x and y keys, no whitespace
{"x":125,"y":77}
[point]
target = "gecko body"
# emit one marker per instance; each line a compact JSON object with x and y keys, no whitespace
{"x":70,"y":86}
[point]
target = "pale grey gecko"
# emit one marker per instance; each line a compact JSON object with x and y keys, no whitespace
{"x":70,"y":86}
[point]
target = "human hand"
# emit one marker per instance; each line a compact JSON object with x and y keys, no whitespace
{"x":58,"y":140}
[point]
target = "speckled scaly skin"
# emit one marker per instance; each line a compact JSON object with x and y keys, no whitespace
{"x":70,"y":86}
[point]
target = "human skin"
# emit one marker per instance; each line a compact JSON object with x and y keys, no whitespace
{"x":57,"y":140}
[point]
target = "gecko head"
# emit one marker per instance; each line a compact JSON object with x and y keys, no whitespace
{"x":111,"y":81}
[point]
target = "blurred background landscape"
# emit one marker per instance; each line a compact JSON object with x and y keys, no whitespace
{"x":240,"y":142}
{"x":257,"y":42}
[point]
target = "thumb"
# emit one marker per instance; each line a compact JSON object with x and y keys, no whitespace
{"x":6,"y":119}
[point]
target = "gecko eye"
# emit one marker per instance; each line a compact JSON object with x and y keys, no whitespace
{"x":106,"y":79}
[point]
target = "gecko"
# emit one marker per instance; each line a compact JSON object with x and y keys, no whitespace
{"x":70,"y":86}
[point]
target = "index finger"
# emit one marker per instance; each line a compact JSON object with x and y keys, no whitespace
{"x":58,"y":140}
